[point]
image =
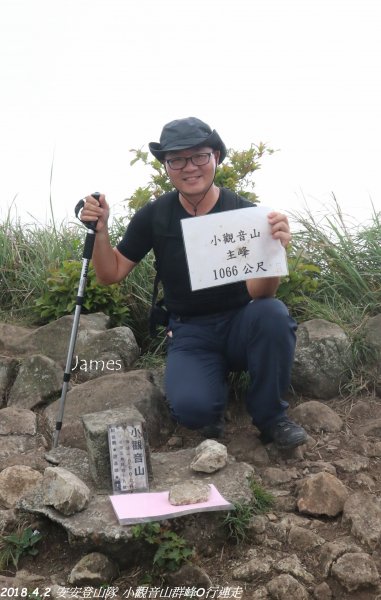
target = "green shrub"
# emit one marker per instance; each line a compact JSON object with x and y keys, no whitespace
{"x":301,"y":283}
{"x":172,"y":550}
{"x":16,"y":544}
{"x":60,"y":298}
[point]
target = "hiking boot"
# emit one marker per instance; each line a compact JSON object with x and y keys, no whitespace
{"x":216,"y":430}
{"x":285,"y":434}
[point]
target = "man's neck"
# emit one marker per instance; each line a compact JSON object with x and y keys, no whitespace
{"x":200,"y":204}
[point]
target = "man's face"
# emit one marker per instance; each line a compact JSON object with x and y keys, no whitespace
{"x":193,"y":178}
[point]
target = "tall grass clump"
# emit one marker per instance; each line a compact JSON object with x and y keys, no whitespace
{"x":349,"y":260}
{"x":27,"y":252}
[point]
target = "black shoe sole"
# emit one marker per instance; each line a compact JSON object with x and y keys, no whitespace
{"x":290,"y":446}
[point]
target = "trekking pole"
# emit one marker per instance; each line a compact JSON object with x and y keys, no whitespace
{"x":86,"y":257}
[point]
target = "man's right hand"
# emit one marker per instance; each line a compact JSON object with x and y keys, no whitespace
{"x":96,"y":210}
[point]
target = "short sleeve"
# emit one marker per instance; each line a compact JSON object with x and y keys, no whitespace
{"x":138,"y":239}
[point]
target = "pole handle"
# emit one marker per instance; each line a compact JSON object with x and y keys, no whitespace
{"x":79,"y":206}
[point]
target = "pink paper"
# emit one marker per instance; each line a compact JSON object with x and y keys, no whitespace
{"x":155,"y":506}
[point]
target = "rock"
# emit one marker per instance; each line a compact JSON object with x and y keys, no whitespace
{"x":372,"y":337}
{"x":302,"y":539}
{"x":15,"y":447}
{"x":38,"y":380}
{"x":331,"y":551}
{"x":321,"y":494}
{"x":94,"y":569}
{"x":286,"y":550}
{"x":363,"y":512}
{"x":17,"y":421}
{"x":210,"y":456}
{"x":285,"y":587}
{"x":233,"y":482}
{"x":15,"y":482}
{"x":257,"y":524}
{"x":175,"y":441}
{"x":32,"y":458}
{"x":253,"y":568}
{"x":72,"y":459}
{"x":7,"y":519}
{"x":12,"y":336}
{"x":260,"y":594}
{"x":322,"y":591}
{"x":122,"y":390}
{"x":275,"y":476}
{"x":98,"y":350}
{"x":106,"y":352}
{"x":8,"y":371}
{"x":97,"y":442}
{"x":52,"y":340}
{"x":318,"y":466}
{"x":316,"y":416}
{"x":370,"y":428}
{"x":189,"y":492}
{"x":365,"y":481}
{"x":24,"y":578}
{"x":320,"y":357}
{"x":97,"y":525}
{"x":355,"y":571}
{"x":293,"y":566}
{"x":351,"y":464}
{"x":191,"y":576}
{"x":64,"y":491}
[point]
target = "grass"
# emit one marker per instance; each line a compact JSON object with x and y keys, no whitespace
{"x":237,"y":521}
{"x":349,"y":290}
{"x":27,"y":252}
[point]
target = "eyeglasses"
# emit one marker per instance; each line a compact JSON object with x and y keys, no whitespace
{"x":199,"y":159}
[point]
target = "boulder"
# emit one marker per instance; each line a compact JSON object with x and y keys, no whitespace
{"x":93,"y":569}
{"x":316,"y":416}
{"x":321,"y":494}
{"x":320,"y":359}
{"x":372,"y":336}
{"x":363,"y":512}
{"x":39,"y":379}
{"x":17,"y":421}
{"x":210,"y":456}
{"x":122,"y":390}
{"x":356,"y":570}
{"x":8,"y":371}
{"x":64,"y":491}
{"x":15,"y":482}
{"x":52,"y":340}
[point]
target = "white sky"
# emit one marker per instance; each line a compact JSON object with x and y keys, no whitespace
{"x":87,"y":80}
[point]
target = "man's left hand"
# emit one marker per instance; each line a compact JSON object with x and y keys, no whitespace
{"x":280,"y":229}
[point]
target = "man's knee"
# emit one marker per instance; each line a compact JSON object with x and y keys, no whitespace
{"x":271,"y":315}
{"x":191,"y":413}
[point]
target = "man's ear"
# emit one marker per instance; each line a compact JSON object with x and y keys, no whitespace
{"x":217,"y":156}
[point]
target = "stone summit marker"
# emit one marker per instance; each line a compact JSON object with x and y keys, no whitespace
{"x":129,"y":472}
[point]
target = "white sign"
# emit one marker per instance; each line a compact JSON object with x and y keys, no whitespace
{"x":128,"y":457}
{"x":230,"y":246}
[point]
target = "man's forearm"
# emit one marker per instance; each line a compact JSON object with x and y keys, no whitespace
{"x":104,"y":259}
{"x":264,"y":287}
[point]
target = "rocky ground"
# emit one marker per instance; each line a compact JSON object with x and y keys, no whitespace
{"x":289,"y":553}
{"x":321,"y":539}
